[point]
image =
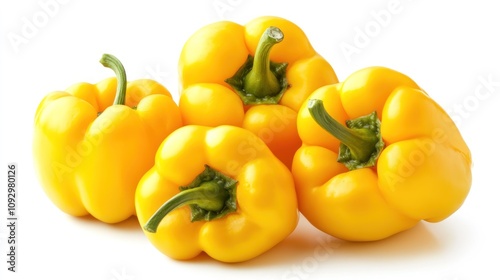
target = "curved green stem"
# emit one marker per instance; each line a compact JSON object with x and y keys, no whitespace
{"x":211,"y":195}
{"x":208,"y":196}
{"x":112,"y":62}
{"x":361,"y":139}
{"x":261,"y":81}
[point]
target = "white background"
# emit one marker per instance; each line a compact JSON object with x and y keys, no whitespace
{"x":448,"y":48}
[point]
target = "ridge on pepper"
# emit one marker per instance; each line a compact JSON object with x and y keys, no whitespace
{"x":378,"y":156}
{"x":254,"y":76}
{"x":93,"y":142}
{"x":203,"y":195}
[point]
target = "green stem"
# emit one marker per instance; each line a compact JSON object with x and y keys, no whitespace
{"x":208,"y":196}
{"x":261,"y":81}
{"x":211,"y":195}
{"x":112,"y":62}
{"x":361,"y":139}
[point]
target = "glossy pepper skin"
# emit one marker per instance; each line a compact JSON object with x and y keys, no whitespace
{"x":90,"y":153}
{"x":221,"y":85}
{"x":420,"y":168}
{"x":246,"y":209}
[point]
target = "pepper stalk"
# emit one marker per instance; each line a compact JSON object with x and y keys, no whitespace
{"x":361,"y":141}
{"x":211,"y":195}
{"x":259,"y":80}
{"x":114,"y":64}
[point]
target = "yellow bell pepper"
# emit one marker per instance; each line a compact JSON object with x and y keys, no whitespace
{"x":218,"y":190}
{"x":91,"y":152}
{"x":228,"y":71}
{"x":371,"y":178}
